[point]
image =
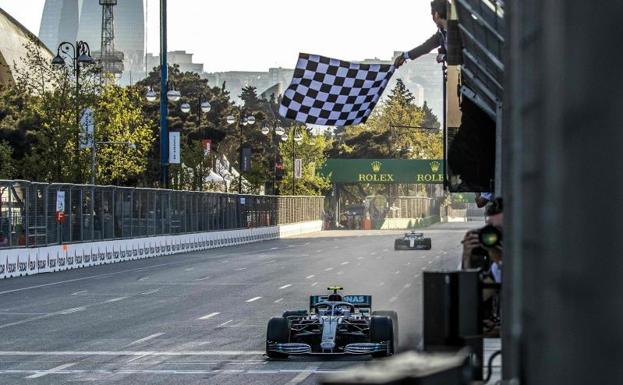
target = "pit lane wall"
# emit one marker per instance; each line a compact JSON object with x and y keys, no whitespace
{"x":30,"y":261}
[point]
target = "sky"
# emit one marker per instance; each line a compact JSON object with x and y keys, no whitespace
{"x":254,"y":35}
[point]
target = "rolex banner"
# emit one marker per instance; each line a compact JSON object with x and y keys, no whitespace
{"x":383,"y":171}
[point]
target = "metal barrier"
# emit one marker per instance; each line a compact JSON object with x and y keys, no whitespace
{"x":28,"y":212}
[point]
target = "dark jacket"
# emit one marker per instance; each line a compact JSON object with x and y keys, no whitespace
{"x":435,"y":41}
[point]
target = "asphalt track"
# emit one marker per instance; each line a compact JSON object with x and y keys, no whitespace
{"x":200,"y":318}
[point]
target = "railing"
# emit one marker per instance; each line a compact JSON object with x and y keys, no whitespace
{"x":28,"y":212}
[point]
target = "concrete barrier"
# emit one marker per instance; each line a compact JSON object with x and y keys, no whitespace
{"x":29,"y":261}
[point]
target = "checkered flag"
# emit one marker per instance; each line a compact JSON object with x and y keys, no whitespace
{"x":331,"y":92}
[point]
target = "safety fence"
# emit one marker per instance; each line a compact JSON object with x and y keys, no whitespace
{"x":40,"y":214}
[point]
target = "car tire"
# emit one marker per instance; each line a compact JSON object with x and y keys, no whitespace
{"x":394,"y":317}
{"x":278,"y":331}
{"x":428,"y":243}
{"x":398,"y":245}
{"x":382,"y":330}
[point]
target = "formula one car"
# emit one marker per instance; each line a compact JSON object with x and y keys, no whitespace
{"x":412,"y":241}
{"x":334,"y":324}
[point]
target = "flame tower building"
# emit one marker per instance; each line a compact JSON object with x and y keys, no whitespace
{"x":71,"y":20}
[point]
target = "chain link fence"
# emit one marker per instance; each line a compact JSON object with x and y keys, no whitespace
{"x":29,"y":215}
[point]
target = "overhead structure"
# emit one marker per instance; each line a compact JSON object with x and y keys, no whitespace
{"x":476,"y":31}
{"x":112,"y":60}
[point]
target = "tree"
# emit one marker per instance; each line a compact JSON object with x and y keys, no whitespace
{"x":194,"y":126}
{"x":382,"y":135}
{"x":119,"y":118}
{"x":311,"y":150}
{"x":7,"y":165}
{"x":429,"y":119}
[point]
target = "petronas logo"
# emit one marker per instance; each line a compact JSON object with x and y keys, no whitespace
{"x":434,"y":166}
{"x":376,"y":166}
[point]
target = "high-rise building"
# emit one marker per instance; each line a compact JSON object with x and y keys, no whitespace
{"x":73,"y":20}
{"x":59,"y":22}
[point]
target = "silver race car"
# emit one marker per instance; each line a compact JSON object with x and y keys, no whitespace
{"x":413,"y":241}
{"x":334,"y":324}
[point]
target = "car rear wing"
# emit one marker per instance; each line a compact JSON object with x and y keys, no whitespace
{"x":361,"y":302}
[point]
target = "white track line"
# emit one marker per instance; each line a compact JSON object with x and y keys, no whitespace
{"x":225,"y":323}
{"x":44,"y":373}
{"x":209,"y":315}
{"x":302,"y":376}
{"x":133,"y":353}
{"x":115,"y":299}
{"x":154,"y":291}
{"x":310,"y":276}
{"x":285,"y":286}
{"x":278,"y":300}
{"x":151,"y":337}
{"x":253,"y":299}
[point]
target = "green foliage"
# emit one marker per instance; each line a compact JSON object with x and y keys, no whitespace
{"x":119,"y":119}
{"x":194,"y":126}
{"x":312,"y":152}
{"x":382,"y":137}
{"x":7,"y":165}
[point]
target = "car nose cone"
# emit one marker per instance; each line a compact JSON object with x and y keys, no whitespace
{"x":327,"y":345}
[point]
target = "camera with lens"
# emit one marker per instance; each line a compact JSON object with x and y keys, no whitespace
{"x":489,"y":236}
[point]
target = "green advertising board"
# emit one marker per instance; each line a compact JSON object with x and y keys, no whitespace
{"x":383,"y":171}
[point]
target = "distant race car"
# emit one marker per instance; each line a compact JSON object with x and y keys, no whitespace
{"x":333,"y":325}
{"x":413,"y":241}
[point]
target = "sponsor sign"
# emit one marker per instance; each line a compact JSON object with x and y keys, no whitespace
{"x":87,"y":128}
{"x":174,"y":148}
{"x":60,"y":201}
{"x":413,"y":171}
{"x":298,"y":168}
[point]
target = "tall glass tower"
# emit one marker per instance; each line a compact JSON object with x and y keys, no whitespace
{"x":82,"y":20}
{"x":59,"y":22}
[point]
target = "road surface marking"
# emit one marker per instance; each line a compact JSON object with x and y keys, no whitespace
{"x":44,"y":373}
{"x":302,"y":376}
{"x":274,"y":248}
{"x":430,"y":262}
{"x":151,"y":337}
{"x":143,"y":278}
{"x":393,"y":299}
{"x":134,"y":353}
{"x":328,"y":269}
{"x":72,"y":310}
{"x":314,"y":284}
{"x":381,"y":283}
{"x":225,"y":323}
{"x":203,"y":278}
{"x":417,"y":275}
{"x":189,"y":269}
{"x":340,"y":273}
{"x":360,"y":258}
{"x":373,"y":253}
{"x":80,"y":292}
{"x":154,"y":291}
{"x":253,"y":299}
{"x":344,"y":263}
{"x":385,"y":250}
{"x":397,"y":272}
{"x":408,"y":285}
{"x":115,"y":299}
{"x":279,"y":300}
{"x":310,"y":276}
{"x":169,"y":371}
{"x":241,"y":269}
{"x":209,"y":315}
{"x":285,"y":287}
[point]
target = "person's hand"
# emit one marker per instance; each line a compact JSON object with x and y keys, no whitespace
{"x":470,"y":242}
{"x":400,"y":60}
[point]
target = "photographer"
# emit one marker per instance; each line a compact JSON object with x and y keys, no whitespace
{"x":486,"y":253}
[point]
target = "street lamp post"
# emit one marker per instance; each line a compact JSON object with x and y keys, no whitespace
{"x":80,"y":53}
{"x":241,"y":122}
{"x":276,"y":133}
{"x":296,"y":138}
{"x":164,"y":132}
